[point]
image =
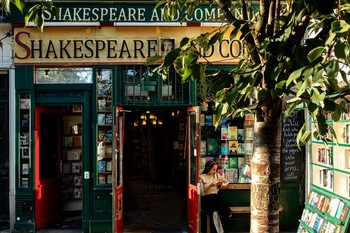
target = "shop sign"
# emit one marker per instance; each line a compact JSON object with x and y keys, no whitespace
{"x":110,"y":45}
{"x":118,"y":13}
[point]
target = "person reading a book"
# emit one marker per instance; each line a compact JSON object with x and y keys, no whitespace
{"x":211,"y":182}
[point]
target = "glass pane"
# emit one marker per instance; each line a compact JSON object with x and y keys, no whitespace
{"x":63,"y":75}
{"x":104,"y":126}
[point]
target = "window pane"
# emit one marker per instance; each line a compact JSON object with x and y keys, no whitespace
{"x":63,"y":75}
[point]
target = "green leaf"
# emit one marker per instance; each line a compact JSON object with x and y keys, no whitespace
{"x":303,"y":136}
{"x":171,"y":57}
{"x":231,"y":97}
{"x":189,"y":59}
{"x":315,"y":53}
{"x":305,"y":85}
{"x":339,"y":49}
{"x":153,"y":60}
{"x":19,"y":4}
{"x":316,"y":97}
{"x":294,"y":75}
{"x":191,"y":73}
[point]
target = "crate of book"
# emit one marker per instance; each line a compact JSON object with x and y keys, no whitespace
{"x":324,"y":213}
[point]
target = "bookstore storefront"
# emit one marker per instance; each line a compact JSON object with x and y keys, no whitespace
{"x":95,"y":125}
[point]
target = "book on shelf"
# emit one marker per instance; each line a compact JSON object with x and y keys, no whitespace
{"x":202,"y":119}
{"x":232,"y":133}
{"x":232,"y":162}
{"x":339,"y":209}
{"x":108,"y":166}
{"x":316,"y":224}
{"x":102,"y":179}
{"x":101,"y":119}
{"x":109,"y":179}
{"x":248,"y":148}
{"x":241,"y":148}
{"x":203,"y":148}
{"x":75,"y":167}
{"x":77,"y":180}
{"x":208,"y":120}
{"x":231,"y":175}
{"x":240,"y":135}
{"x":224,"y":132}
{"x":233,"y":147}
{"x":102,"y":105}
{"x":346,"y":159}
{"x":77,"y":193}
{"x":344,"y":213}
{"x":249,"y":133}
{"x":68,"y":141}
{"x":25,"y":169}
{"x":76,"y":141}
{"x":108,"y":119}
{"x":325,"y":204}
{"x":333,"y":206}
{"x":224,"y":147}
{"x":224,"y":162}
{"x":249,"y":119}
{"x":101,"y":166}
{"x":213,"y":146}
{"x":240,"y":161}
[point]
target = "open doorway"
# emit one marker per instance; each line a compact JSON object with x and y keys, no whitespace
{"x":58,"y":163}
{"x":155,"y":172}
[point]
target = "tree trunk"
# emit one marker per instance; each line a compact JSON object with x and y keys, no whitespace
{"x":265,"y":183}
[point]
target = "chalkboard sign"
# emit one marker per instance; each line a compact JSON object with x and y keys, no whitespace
{"x":291,"y":156}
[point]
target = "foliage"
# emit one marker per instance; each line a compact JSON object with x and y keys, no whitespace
{"x":35,"y":14}
{"x":296,"y":48}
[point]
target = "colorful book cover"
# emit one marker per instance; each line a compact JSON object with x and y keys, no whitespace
{"x":101,"y":166}
{"x":224,"y":148}
{"x":232,"y":133}
{"x":240,"y":135}
{"x":208,"y":120}
{"x":249,"y":119}
{"x":249,"y":133}
{"x":202,"y":119}
{"x":231,"y":175}
{"x":241,"y":148}
{"x":203,"y":147}
{"x":233,"y":147}
{"x":213,"y":146}
{"x":224,"y":132}
{"x":232,"y":162}
{"x":224,"y":162}
{"x":248,"y":148}
{"x":241,"y":161}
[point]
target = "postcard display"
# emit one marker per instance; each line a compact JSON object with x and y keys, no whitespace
{"x":327,"y":205}
{"x":72,"y":161}
{"x":24,"y":139}
{"x":231,"y":144}
{"x":104,"y":126}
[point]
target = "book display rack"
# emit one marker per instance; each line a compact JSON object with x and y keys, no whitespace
{"x":231,"y":144}
{"x":104,"y":126}
{"x":326,"y":208}
{"x":72,"y":162}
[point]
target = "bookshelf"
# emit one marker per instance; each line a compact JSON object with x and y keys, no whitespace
{"x":326,"y":208}
{"x":231,"y":143}
{"x":71,"y":173}
{"x":104,"y":127}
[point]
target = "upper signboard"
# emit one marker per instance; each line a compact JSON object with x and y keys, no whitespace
{"x":124,"y":12}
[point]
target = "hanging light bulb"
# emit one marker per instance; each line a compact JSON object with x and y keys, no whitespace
{"x":143,"y":116}
{"x":143,"y":122}
{"x":154,"y":121}
{"x":160,"y":122}
{"x":136,"y":123}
